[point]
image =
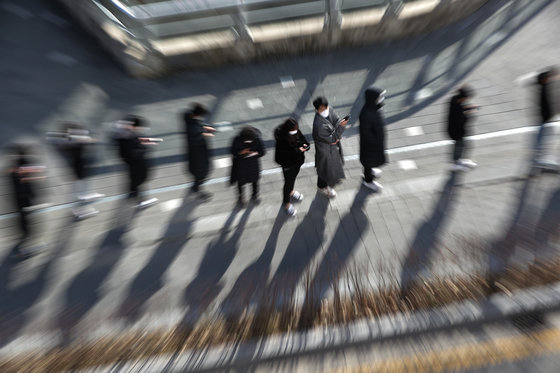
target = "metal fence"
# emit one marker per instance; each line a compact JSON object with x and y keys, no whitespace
{"x":157,"y":19}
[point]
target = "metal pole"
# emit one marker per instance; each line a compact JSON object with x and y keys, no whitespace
{"x":394,"y":8}
{"x":241,"y":23}
{"x":333,"y":16}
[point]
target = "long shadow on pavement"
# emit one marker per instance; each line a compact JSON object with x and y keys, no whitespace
{"x":249,"y":285}
{"x":304,"y":244}
{"x":83,"y":293}
{"x":345,"y":240}
{"x":426,"y":237}
{"x":219,"y":255}
{"x":149,"y":280}
{"x":14,"y":302}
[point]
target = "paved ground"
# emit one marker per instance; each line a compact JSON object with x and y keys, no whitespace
{"x":182,"y":258}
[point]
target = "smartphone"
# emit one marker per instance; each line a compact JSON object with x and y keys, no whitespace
{"x":346,"y":117}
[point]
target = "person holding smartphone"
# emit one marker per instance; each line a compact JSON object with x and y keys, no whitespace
{"x":327,"y":132}
{"x":291,"y":146}
{"x":198,"y":151}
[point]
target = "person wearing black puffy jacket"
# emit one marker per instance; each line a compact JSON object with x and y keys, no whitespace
{"x":291,"y":146}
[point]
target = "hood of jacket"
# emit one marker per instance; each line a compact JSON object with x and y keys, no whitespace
{"x":372,"y":95}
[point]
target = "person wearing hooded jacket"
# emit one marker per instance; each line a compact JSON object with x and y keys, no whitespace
{"x":291,"y":146}
{"x":327,"y":132}
{"x":547,"y":111}
{"x":460,"y":113}
{"x":247,"y":148}
{"x":198,"y":151}
{"x":372,"y":137}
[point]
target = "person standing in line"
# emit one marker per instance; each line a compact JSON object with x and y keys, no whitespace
{"x":291,"y":146}
{"x":73,"y":142}
{"x":23,"y":174}
{"x":547,"y":112}
{"x":372,"y":137}
{"x":198,"y":152}
{"x":327,"y":132}
{"x":132,"y":149}
{"x":460,"y":113}
{"x":247,"y":148}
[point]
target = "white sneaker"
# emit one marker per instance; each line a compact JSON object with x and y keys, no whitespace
{"x":467,"y":163}
{"x":374,"y":185}
{"x":455,"y":167}
{"x":328,"y":191}
{"x":376,"y":172}
{"x":297,"y":196}
{"x":291,"y":211}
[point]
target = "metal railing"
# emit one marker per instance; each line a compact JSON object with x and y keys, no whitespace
{"x":156,"y":20}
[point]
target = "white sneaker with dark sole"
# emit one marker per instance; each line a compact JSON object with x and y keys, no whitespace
{"x":297,"y":196}
{"x":374,"y":185}
{"x":376,"y":172}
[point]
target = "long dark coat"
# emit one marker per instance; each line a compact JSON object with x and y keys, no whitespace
{"x":287,"y":153}
{"x":246,"y":169}
{"x":457,"y":119}
{"x":329,"y":160}
{"x":372,"y":131}
{"x":198,"y":152}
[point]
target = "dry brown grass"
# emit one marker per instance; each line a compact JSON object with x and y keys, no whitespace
{"x":268,"y":319}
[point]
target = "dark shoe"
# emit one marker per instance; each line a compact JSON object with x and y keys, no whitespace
{"x":255,"y":199}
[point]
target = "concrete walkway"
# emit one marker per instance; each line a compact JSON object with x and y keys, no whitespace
{"x":181,"y":260}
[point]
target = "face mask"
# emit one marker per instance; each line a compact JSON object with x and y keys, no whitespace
{"x":292,"y":132}
{"x":324,"y":113}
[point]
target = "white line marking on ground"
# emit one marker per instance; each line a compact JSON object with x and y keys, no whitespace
{"x":277,"y":170}
{"x":170,"y":205}
{"x":222,"y":162}
{"x":17,"y":10}
{"x":61,"y":58}
{"x":255,"y":103}
{"x":287,"y":82}
{"x":414,"y":131}
{"x":407,"y":164}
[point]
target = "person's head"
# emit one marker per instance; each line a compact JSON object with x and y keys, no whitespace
{"x":248,"y":134}
{"x":291,"y":126}
{"x":547,"y":76}
{"x":199,"y":110}
{"x":134,"y":121}
{"x":375,"y":96}
{"x":464,"y":93}
{"x":320,"y":104}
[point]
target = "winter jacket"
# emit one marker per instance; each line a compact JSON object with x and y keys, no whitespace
{"x":329,"y":160}
{"x":372,"y":131}
{"x":246,"y":168}
{"x":287,"y":152}
{"x":198,"y":152}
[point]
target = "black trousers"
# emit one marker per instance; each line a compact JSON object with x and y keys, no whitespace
{"x":137,"y":174}
{"x":255,"y":189}
{"x":368,"y":175}
{"x":290,"y":174}
{"x":459,"y":149}
{"x":321,"y":184}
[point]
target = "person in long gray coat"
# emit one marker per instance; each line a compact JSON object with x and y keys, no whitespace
{"x":327,"y":132}
{"x":372,"y":137}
